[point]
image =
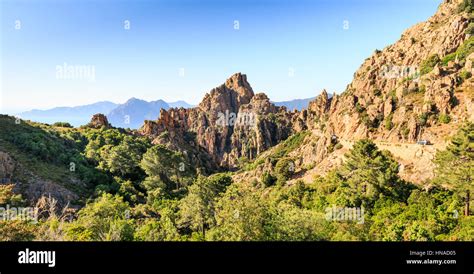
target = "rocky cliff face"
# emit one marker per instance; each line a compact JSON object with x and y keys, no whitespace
{"x":395,"y":95}
{"x":230,"y":122}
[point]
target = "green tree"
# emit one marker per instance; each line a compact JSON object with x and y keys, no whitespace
{"x":367,"y":175}
{"x":163,"y":229}
{"x":17,"y":230}
{"x":107,"y":218}
{"x":290,"y":223}
{"x":197,"y":208}
{"x":156,"y":188}
{"x":160,"y":162}
{"x":129,"y":191}
{"x":124,"y":159}
{"x":62,"y":124}
{"x":464,"y":231}
{"x":284,"y":169}
{"x":455,"y":165}
{"x":241,"y":215}
{"x":466,"y":5}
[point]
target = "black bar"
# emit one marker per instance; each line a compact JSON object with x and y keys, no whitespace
{"x":223,"y":257}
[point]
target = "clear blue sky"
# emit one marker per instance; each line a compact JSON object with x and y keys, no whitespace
{"x":199,"y":36}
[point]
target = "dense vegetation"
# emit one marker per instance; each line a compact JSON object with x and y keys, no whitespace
{"x":144,"y":192}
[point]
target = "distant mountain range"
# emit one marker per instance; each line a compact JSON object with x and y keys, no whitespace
{"x":130,"y":114}
{"x":76,"y":116}
{"x":297,"y":104}
{"x":133,"y":112}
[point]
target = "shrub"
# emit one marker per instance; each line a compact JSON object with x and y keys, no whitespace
{"x":444,"y":118}
{"x":423,"y":118}
{"x":359,"y":108}
{"x":17,"y":230}
{"x":103,"y":219}
{"x":334,"y":146}
{"x":268,"y":179}
{"x":427,"y":65}
{"x":62,"y":124}
{"x":466,"y":6}
{"x":422,"y":89}
{"x":470,"y":29}
{"x":388,"y":122}
{"x":364,"y":117}
{"x":290,"y":144}
{"x":465,"y":75}
{"x":284,"y":169}
{"x":405,"y":131}
{"x":461,"y":53}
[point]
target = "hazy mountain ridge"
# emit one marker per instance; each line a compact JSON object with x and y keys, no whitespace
{"x":78,"y":115}
{"x":296,"y":104}
{"x":130,"y":114}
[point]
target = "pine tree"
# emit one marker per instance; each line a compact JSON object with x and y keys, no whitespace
{"x":367,"y":175}
{"x":455,"y":165}
{"x":197,"y":208}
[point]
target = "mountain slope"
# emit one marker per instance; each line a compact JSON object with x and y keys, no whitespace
{"x":38,"y":160}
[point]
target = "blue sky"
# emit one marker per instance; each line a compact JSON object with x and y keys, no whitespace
{"x":274,"y":38}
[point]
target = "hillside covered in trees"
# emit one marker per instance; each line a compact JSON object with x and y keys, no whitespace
{"x":134,"y":190}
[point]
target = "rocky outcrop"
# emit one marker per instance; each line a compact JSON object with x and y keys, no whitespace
{"x":37,"y":188}
{"x":7,"y":166}
{"x":259,"y":126}
{"x":230,"y":122}
{"x":34,"y":188}
{"x":99,"y":120}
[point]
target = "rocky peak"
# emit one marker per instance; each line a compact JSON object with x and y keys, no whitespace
{"x":238,"y":83}
{"x":321,"y":104}
{"x":229,"y":96}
